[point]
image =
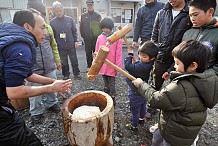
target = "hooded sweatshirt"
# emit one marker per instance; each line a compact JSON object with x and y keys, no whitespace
{"x":183,"y":104}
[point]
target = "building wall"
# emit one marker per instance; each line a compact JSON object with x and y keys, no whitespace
{"x":9,"y":7}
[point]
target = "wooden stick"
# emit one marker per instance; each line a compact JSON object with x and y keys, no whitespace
{"x":60,"y":93}
{"x":125,"y":40}
{"x":127,"y":45}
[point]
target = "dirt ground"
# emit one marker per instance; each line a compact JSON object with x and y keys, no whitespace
{"x":51,"y":131}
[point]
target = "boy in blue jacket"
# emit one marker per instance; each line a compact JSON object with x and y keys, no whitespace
{"x":140,"y":69}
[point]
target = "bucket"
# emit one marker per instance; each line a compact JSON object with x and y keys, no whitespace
{"x":91,"y":131}
{"x":20,"y":103}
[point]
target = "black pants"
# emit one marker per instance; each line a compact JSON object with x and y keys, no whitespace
{"x":109,"y":85}
{"x":157,"y":72}
{"x":13,"y":131}
{"x":90,"y":49}
{"x":64,"y":53}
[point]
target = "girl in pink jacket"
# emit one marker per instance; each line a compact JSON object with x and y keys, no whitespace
{"x":115,"y":56}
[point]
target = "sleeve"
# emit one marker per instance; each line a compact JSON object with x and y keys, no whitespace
{"x":74,"y":31}
{"x":119,"y":54}
{"x":18,"y":64}
{"x":97,"y":45}
{"x":155,"y":31}
{"x":81,"y":26}
{"x":137,"y":27}
{"x":54,"y":45}
{"x":167,"y":98}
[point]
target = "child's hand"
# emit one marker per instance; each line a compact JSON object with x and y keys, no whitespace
{"x":137,"y":82}
{"x":166,"y":76}
{"x":133,"y":60}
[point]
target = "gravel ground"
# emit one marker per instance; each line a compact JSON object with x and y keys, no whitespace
{"x":51,"y":131}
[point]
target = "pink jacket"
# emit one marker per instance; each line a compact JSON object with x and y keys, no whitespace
{"x":115,"y":55}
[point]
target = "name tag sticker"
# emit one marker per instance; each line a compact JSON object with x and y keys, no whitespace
{"x":62,"y":35}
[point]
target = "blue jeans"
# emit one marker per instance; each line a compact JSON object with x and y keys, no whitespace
{"x":158,"y":140}
{"x":137,"y":107}
{"x":39,"y":103}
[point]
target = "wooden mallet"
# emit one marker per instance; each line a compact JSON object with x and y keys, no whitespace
{"x":127,"y":44}
{"x":119,"y":34}
{"x":100,"y":60}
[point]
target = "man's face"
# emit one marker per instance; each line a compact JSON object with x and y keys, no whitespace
{"x":149,"y":1}
{"x":39,"y":31}
{"x":90,"y":7}
{"x":176,"y":3}
{"x":58,"y":12}
{"x":199,"y":17}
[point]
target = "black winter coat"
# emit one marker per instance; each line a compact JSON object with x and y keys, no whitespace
{"x":167,"y":33}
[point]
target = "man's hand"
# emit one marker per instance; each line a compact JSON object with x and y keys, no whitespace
{"x":59,"y":66}
{"x":137,"y":82}
{"x":76,"y":45}
{"x":62,"y":85}
{"x":134,"y":44}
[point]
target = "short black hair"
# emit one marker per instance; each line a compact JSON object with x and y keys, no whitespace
{"x":203,"y":4}
{"x":107,"y":22}
{"x":149,"y":48}
{"x":25,"y":16}
{"x":193,"y":51}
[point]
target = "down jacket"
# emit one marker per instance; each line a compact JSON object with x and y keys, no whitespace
{"x":183,"y":104}
{"x":167,"y":33}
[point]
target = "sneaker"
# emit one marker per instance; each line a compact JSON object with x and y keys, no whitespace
{"x":78,"y":77}
{"x":55,"y":108}
{"x":66,"y":77}
{"x":37,"y":119}
{"x":141,"y":121}
{"x":130,"y":127}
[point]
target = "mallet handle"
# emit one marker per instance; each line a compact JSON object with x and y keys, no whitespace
{"x":125,"y":40}
{"x":119,"y":70}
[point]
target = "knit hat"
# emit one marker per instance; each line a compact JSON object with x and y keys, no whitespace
{"x":89,"y":2}
{"x":38,"y":5}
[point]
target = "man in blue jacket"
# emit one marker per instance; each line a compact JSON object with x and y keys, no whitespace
{"x":145,"y":21}
{"x":17,"y":59}
{"x":65,"y":33}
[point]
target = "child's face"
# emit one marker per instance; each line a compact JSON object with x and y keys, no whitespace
{"x":144,"y":57}
{"x":106,"y":30}
{"x":179,"y":66}
{"x":199,"y":17}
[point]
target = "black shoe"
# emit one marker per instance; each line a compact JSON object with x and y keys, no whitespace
{"x":55,"y":108}
{"x":37,"y":119}
{"x":130,"y":127}
{"x":78,"y":77}
{"x":141,"y":121}
{"x":66,"y":77}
